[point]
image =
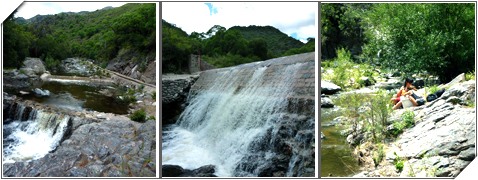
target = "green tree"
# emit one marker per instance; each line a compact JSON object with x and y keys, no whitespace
{"x":436,"y":38}
{"x":16,"y":42}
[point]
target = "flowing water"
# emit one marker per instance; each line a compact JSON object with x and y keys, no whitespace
{"x":30,"y":134}
{"x":79,"y":97}
{"x":336,"y":154}
{"x":222,"y":121}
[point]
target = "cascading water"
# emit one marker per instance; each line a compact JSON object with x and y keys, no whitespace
{"x":30,"y":134}
{"x":236,"y":111}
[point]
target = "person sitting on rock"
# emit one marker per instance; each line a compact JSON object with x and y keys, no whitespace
{"x":407,"y":94}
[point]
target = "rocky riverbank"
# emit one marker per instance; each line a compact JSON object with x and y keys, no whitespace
{"x":441,"y":144}
{"x":95,"y":145}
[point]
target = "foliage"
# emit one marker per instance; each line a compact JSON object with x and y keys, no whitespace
{"x":432,"y":89}
{"x":369,"y":110}
{"x":378,"y":154}
{"x":95,"y":35}
{"x":223,"y":47}
{"x":470,"y":75}
{"x":125,"y":95}
{"x":407,"y":121}
{"x":277,"y":42}
{"x":437,"y":38}
{"x":51,"y":63}
{"x":153,"y":95}
{"x":152,"y":118}
{"x":398,"y":162}
{"x":138,"y":115}
{"x":16,"y":41}
{"x":346,"y":73}
{"x":308,"y":47}
{"x":341,"y":28}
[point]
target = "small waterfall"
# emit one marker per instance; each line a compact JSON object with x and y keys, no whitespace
{"x":234,"y":115}
{"x":30,"y":134}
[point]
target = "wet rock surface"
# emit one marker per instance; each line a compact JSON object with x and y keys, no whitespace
{"x":178,"y":171}
{"x":442,"y":142}
{"x":113,"y":146}
{"x":175,"y":89}
{"x":285,"y":150}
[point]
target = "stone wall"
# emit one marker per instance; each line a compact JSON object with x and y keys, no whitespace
{"x":175,"y":89}
{"x":197,"y":65}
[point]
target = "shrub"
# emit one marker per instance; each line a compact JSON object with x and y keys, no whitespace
{"x":470,"y":75}
{"x":378,"y":155}
{"x":138,"y":115}
{"x":346,"y":73}
{"x":50,"y":63}
{"x":432,"y":89}
{"x":407,"y":121}
{"x":153,"y":95}
{"x":125,"y":95}
{"x":371,"y":110}
{"x":398,"y":162}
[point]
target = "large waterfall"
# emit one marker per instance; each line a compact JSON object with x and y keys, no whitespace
{"x":30,"y":134}
{"x":240,"y":114}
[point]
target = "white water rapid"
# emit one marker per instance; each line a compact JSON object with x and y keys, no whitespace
{"x":32,"y":134}
{"x":224,"y":119}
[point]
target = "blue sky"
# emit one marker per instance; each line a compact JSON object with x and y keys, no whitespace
{"x":296,"y":19}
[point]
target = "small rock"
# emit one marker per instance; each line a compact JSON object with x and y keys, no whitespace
{"x":326,"y":102}
{"x":101,"y":116}
{"x":24,"y":92}
{"x":329,"y":88}
{"x":41,"y":93}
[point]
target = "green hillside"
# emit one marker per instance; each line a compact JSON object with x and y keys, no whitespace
{"x":100,"y":35}
{"x":277,"y":41}
{"x":223,"y":47}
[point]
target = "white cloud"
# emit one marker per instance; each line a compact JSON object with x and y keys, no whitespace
{"x":289,"y":17}
{"x":30,"y":9}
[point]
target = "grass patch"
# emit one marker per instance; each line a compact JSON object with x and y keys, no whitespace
{"x":138,"y":115}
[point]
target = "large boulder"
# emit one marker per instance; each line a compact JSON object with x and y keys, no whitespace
{"x":329,"y":88}
{"x":34,"y":65}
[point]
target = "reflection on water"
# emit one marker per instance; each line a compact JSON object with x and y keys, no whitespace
{"x":336,"y":154}
{"x":79,"y":97}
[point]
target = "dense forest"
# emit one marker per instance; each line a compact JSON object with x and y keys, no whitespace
{"x":223,"y":47}
{"x":414,"y":38}
{"x":100,"y":35}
